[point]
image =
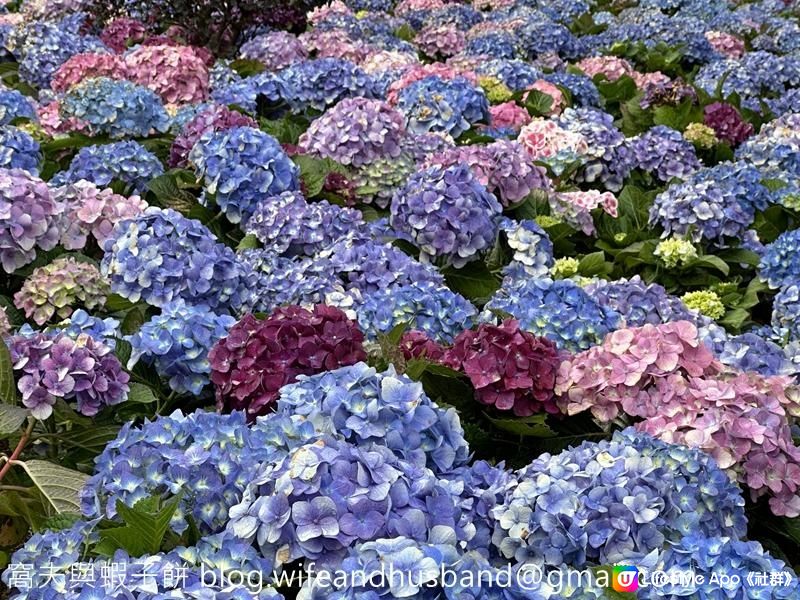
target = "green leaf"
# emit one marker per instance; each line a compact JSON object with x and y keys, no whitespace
{"x":712,"y":262}
{"x":313,"y":172}
{"x":473,"y":281}
{"x":594,"y":264}
{"x":141,"y":394}
{"x":248,"y":242}
{"x":60,"y":486}
{"x":8,"y":388}
{"x":169,"y":193}
{"x":286,"y":130}
{"x":12,"y":418}
{"x":735,"y":318}
{"x":123,"y":351}
{"x":116,"y":303}
{"x":246,"y":67}
{"x":62,"y":521}
{"x":533,"y":426}
{"x":146,"y":524}
{"x":538,"y":103}
{"x":133,"y":320}
{"x":740,"y":256}
{"x":405,"y":32}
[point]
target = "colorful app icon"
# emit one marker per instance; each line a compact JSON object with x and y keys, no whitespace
{"x":625,"y":578}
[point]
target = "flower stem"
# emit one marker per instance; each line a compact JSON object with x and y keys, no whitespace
{"x":23,"y":441}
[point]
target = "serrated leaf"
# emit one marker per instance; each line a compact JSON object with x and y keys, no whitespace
{"x":8,"y":387}
{"x":141,"y":394}
{"x":123,"y":351}
{"x":12,"y":418}
{"x":594,"y":264}
{"x":116,"y":303}
{"x":538,"y":103}
{"x":146,"y":524}
{"x":534,"y":426}
{"x":249,"y":242}
{"x":473,"y":281}
{"x":60,"y":486}
{"x":712,"y":262}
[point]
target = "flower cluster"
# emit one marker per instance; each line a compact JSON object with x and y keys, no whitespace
{"x":780,"y":263}
{"x":214,"y":118}
{"x":29,"y":218}
{"x":447,"y":213}
{"x":727,"y":123}
{"x":786,"y":312}
{"x":533,"y":250}
{"x":675,"y":251}
{"x":367,"y":409}
{"x":575,"y":208}
{"x":275,"y":50}
{"x":56,"y":288}
{"x":57,"y":366}
{"x":558,"y":310}
{"x":161,"y":256}
{"x":324,"y":82}
{"x":664,"y":153}
{"x":240,"y":166}
{"x":85,"y":66}
{"x":706,"y":302}
{"x":18,"y":150}
{"x":14,"y":105}
{"x":176,"y":73}
{"x":510,"y":369}
{"x":121,"y":32}
{"x":356,"y":131}
{"x":127,"y":162}
{"x":257,"y":358}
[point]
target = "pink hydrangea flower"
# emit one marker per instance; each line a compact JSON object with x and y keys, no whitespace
{"x":334,"y":43}
{"x":440,"y":40}
{"x":177,"y":73}
{"x":52,"y":123}
{"x":543,"y":138}
{"x":407,"y":6}
{"x":122,"y":32}
{"x":384,"y":60}
{"x":612,"y":67}
{"x":320,"y":13}
{"x":726,"y":44}
{"x":509,"y":115}
{"x":576,"y":207}
{"x":85,"y":65}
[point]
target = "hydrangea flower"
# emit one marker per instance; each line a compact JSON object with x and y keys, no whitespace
{"x":547,"y":142}
{"x":786,"y":312}
{"x":356,"y":131}
{"x":241,"y":166}
{"x":57,"y":366}
{"x":257,"y":358}
{"x":575,"y":208}
{"x":85,"y":66}
{"x":664,"y":153}
{"x":780,"y":262}
{"x":324,"y":82}
{"x":367,"y":408}
{"x":675,"y":251}
{"x":447,"y":213}
{"x":702,"y":136}
{"x":245,"y":92}
{"x":508,"y":115}
{"x":727,"y":123}
{"x":440,"y":41}
{"x":424,"y":306}
{"x":177,"y":342}
{"x":510,"y":369}
{"x":613,"y":500}
{"x":210,"y":458}
{"x":56,"y":288}
{"x":29,"y":218}
{"x":128,"y":162}
{"x":120,"y":32}
{"x":80,"y":322}
{"x":116,"y":108}
{"x":176,"y":73}
{"x":436,"y":104}
{"x":558,"y":310}
{"x":706,"y":302}
{"x":160,"y":256}
{"x":532,"y":247}
{"x":15,"y":105}
{"x":749,"y":351}
{"x":18,"y":150}
{"x":377,"y":181}
{"x":275,"y":50}
{"x":215,"y":117}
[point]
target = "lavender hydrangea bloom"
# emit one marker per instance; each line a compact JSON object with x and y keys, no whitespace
{"x":29,"y":218}
{"x":356,"y":131}
{"x":128,"y":162}
{"x":275,"y":50}
{"x":448,"y":214}
{"x":780,"y":262}
{"x":161,"y":256}
{"x":749,"y":352}
{"x":639,"y":303}
{"x":287,"y":224}
{"x":436,"y":104}
{"x":206,"y":118}
{"x":368,"y":408}
{"x":116,"y":108}
{"x":177,"y":342}
{"x":211,"y":458}
{"x":324,"y":82}
{"x":56,"y":366}
{"x":15,"y":105}
{"x":18,"y":150}
{"x":558,"y":310}
{"x":425,"y":306}
{"x":241,"y":166}
{"x":712,"y":204}
{"x":664,"y":153}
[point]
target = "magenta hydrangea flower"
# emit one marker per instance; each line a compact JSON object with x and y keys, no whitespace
{"x":356,"y":132}
{"x":29,"y":218}
{"x":216,"y":117}
{"x":92,"y":211}
{"x":275,"y":50}
{"x":511,"y":369}
{"x":85,"y":65}
{"x":121,"y":33}
{"x":727,"y":123}
{"x":178,"y":74}
{"x":59,"y":287}
{"x":257,"y":358}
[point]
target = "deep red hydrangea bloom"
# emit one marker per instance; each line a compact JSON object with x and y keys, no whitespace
{"x":416,"y":344}
{"x":727,"y":123}
{"x":510,"y":369}
{"x":257,"y":358}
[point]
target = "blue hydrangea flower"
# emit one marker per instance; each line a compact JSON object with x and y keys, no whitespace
{"x":749,"y":352}
{"x":436,"y":104}
{"x":177,"y":342}
{"x":18,"y":150}
{"x":161,"y":256}
{"x":80,"y":322}
{"x":116,"y":108}
{"x":540,"y":36}
{"x":425,"y":306}
{"x":533,"y":250}
{"x":323,"y":82}
{"x":211,"y":458}
{"x":515,"y":74}
{"x":15,"y":105}
{"x":664,"y":153}
{"x":780,"y":262}
{"x":786,"y":312}
{"x":558,"y":310}
{"x":240,"y":167}
{"x":713,"y":204}
{"x":462,"y":16}
{"x":368,"y":408}
{"x":496,"y":44}
{"x":581,"y":87}
{"x":128,"y":162}
{"x":447,"y":213}
{"x":245,"y":92}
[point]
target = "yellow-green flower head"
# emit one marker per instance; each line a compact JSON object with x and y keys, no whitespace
{"x":546,"y":221}
{"x":705,"y":302}
{"x":700,"y":135}
{"x":496,"y":91}
{"x":675,"y":251}
{"x":565,"y":267}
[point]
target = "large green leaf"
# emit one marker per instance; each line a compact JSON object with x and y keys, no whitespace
{"x":142,"y":394}
{"x":8,"y":388}
{"x":146,"y":524}
{"x":60,"y":486}
{"x":473,"y":281}
{"x":11,"y":418}
{"x":314,"y":171}
{"x":533,"y":426}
